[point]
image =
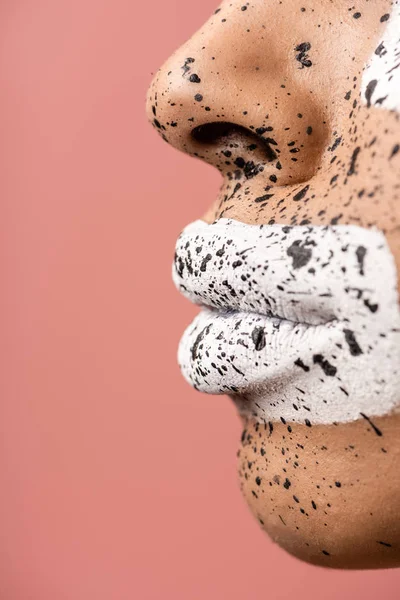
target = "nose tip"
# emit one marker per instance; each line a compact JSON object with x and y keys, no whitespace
{"x":202,"y":121}
{"x":188,"y":112}
{"x":174,"y":101}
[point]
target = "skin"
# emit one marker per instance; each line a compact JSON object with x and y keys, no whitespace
{"x":268,"y":92}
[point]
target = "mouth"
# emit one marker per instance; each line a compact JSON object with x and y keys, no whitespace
{"x":289,"y":315}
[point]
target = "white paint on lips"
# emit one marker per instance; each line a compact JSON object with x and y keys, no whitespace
{"x":302,"y":322}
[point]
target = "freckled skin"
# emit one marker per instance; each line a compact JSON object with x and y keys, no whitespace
{"x":326,"y":493}
{"x":270,"y":93}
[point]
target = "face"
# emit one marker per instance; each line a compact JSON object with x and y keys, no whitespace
{"x":296,"y":262}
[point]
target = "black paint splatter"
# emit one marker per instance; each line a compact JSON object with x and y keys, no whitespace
{"x":328,"y":369}
{"x":350,"y":338}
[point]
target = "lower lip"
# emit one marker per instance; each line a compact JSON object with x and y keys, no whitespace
{"x":236,"y":352}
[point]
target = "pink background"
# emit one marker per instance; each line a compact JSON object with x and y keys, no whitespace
{"x":117,"y":480}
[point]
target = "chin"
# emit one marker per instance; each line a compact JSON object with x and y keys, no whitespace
{"x":326,"y":494}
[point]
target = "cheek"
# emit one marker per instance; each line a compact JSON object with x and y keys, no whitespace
{"x":329,"y":494}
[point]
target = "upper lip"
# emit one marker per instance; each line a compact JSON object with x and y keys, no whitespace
{"x":216,"y":266}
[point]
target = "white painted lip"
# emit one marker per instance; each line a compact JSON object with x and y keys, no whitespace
{"x":254,"y":276}
{"x":252,"y":348}
{"x":249,"y":321}
{"x":297,"y":322}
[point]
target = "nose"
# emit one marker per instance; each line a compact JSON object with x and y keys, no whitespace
{"x":236,"y":101}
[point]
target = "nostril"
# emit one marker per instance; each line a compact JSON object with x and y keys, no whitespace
{"x":212,"y":133}
{"x":225,"y":134}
